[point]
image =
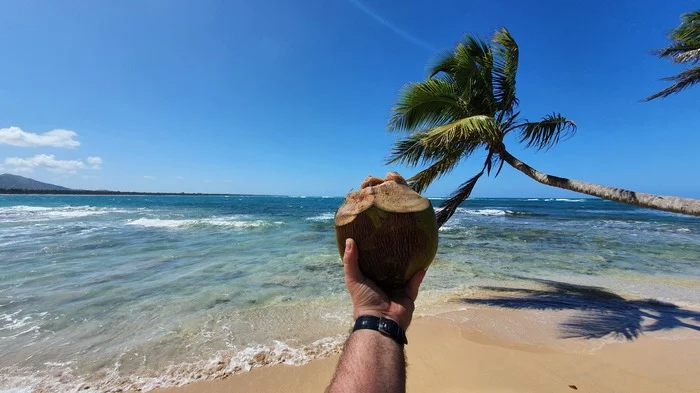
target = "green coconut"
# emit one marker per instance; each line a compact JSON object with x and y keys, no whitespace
{"x":393,"y":226}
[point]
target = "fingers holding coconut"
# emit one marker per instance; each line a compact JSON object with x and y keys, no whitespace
{"x":350,"y":264}
{"x":414,"y":284}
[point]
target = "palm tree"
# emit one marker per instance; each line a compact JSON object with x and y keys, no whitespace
{"x":468,"y":103}
{"x":685,"y":48}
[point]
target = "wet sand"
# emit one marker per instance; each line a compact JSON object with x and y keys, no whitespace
{"x":498,"y":349}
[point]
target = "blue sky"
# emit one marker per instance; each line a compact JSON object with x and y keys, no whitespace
{"x":283,"y":97}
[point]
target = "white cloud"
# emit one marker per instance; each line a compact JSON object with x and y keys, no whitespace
{"x":49,"y":162}
{"x":149,"y":177}
{"x":179,"y":177}
{"x":94,"y":162}
{"x":21,"y":170}
{"x":15,"y":136}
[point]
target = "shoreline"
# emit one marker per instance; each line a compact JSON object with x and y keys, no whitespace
{"x":135,"y":294}
{"x":558,"y":326}
{"x":494,"y":349}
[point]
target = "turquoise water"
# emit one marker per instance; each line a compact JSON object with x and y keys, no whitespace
{"x":105,"y":293}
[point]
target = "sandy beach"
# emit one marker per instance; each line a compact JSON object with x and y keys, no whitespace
{"x":640,"y":346}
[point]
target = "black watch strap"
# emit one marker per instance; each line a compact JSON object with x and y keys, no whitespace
{"x":385,"y":326}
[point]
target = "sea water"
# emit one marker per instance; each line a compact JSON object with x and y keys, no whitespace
{"x":102,"y":293}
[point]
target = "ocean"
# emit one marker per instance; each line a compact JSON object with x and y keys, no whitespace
{"x":101,"y":293}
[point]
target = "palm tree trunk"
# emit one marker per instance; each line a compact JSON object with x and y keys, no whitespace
{"x":665,"y":203}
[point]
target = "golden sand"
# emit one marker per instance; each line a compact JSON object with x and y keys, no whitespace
{"x":492,"y":349}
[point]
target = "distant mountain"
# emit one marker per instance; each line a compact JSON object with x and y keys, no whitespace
{"x":8,"y":181}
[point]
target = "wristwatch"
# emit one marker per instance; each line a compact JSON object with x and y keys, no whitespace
{"x":383,"y":325}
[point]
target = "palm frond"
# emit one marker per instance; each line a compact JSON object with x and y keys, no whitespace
{"x":683,"y":80}
{"x":493,"y":160}
{"x":473,"y":74}
{"x":426,"y":104}
{"x":421,"y":180}
{"x":505,"y":68}
{"x":444,"y":63}
{"x":680,"y":53}
{"x":688,"y":56}
{"x":476,"y":129}
{"x":547,"y":132}
{"x":500,"y":166}
{"x":685,"y":38}
{"x":464,"y":135}
{"x":409,"y":151}
{"x":448,"y":208}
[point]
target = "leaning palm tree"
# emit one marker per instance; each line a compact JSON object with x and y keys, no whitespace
{"x":684,"y":48}
{"x":467,"y":104}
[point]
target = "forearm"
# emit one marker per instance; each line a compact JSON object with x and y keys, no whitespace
{"x":371,"y":362}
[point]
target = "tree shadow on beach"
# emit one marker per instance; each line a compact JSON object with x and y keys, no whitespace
{"x":602,"y":312}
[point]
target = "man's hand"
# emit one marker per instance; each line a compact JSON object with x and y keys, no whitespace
{"x":369,"y":299}
{"x":372,"y":362}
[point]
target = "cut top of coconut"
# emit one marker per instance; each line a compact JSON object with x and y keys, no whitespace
{"x":391,"y":195}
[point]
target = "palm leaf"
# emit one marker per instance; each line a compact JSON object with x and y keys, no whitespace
{"x":426,"y":104}
{"x":408,"y":151}
{"x":683,"y":80}
{"x":444,"y":63}
{"x":505,"y":68}
{"x":685,"y":46}
{"x":421,"y":180}
{"x":472,"y":73}
{"x":547,"y":132}
{"x":473,"y":129}
{"x":464,"y":135}
{"x":688,"y":56}
{"x":448,"y":208}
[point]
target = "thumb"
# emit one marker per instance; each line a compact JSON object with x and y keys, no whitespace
{"x":351,"y":264}
{"x":414,"y":284}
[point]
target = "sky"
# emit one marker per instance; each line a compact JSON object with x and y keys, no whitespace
{"x":293,"y":97}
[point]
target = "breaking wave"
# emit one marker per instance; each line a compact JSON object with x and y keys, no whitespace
{"x":217,"y":222}
{"x":41,"y":213}
{"x":60,"y":377}
{"x":322,"y":217}
{"x":484,"y":212}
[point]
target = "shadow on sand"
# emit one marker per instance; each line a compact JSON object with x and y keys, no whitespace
{"x":602,"y":312}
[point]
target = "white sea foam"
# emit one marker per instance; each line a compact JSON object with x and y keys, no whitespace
{"x":484,"y":212}
{"x":684,"y":230}
{"x":75,"y":213}
{"x":42,"y":213}
{"x":322,"y":217}
{"x":60,"y":377}
{"x":13,"y":321}
{"x":13,"y":325}
{"x":533,"y":199}
{"x":220,"y":222}
{"x":564,"y":200}
{"x":23,"y":208}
